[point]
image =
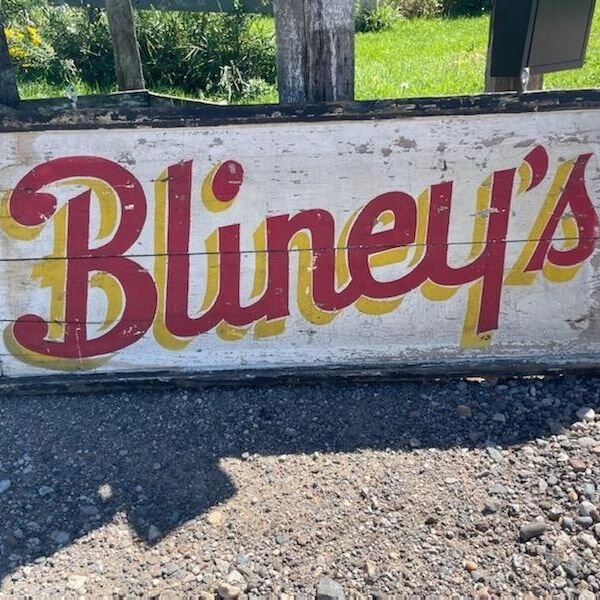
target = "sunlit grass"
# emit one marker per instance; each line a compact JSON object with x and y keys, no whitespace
{"x":440,"y":57}
{"x":422,"y":57}
{"x":44,"y":89}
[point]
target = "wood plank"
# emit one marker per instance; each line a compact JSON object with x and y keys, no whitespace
{"x":9,"y":94}
{"x":128,"y":64}
{"x":315,"y":50}
{"x":292,"y":66}
{"x":402,"y":244}
{"x":227,"y":6}
{"x":330,"y":50}
{"x":510,"y":84}
{"x":105,"y":382}
{"x":146,"y":109}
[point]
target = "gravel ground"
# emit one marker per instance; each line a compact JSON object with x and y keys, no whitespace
{"x":364,"y":490}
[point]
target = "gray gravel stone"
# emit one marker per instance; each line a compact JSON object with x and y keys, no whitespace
{"x":328,"y":589}
{"x":568,"y":523}
{"x":587,"y":442}
{"x":153,"y":534}
{"x":532,"y":530}
{"x":477,"y":576}
{"x":169,"y":569}
{"x":76,"y":583}
{"x":587,"y":539}
{"x":222,"y":566}
{"x":555,"y":513}
{"x":348,"y":498}
{"x":584,"y":522}
{"x":236,"y":579}
{"x":60,"y":537}
{"x":490,"y":506}
{"x":227,"y":591}
{"x":586,"y":413}
{"x":495,"y":454}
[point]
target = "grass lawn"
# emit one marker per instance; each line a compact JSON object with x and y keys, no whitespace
{"x":441,"y":57}
{"x":419,"y":57}
{"x":422,"y":57}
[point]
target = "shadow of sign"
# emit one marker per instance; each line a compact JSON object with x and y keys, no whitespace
{"x":74,"y":462}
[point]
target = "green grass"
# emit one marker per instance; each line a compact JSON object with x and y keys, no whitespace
{"x":440,"y":57}
{"x":422,"y":57}
{"x":419,"y":57}
{"x":43,"y":89}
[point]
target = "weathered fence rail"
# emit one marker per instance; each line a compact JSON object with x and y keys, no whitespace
{"x":226,"y":6}
{"x":128,"y":63}
{"x":249,"y":6}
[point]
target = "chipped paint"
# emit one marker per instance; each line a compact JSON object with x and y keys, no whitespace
{"x":489,"y":224}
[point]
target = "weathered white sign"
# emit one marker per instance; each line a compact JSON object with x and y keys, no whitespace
{"x":399,"y":242}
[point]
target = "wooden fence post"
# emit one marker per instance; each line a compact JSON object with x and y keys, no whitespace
{"x":128,"y":64}
{"x":506,"y":84}
{"x":9,"y":94}
{"x":315,"y":50}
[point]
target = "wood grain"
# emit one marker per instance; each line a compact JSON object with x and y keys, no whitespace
{"x":326,"y":169}
{"x":9,"y":94}
{"x":128,"y":64}
{"x":147,"y":109}
{"x":315,"y":50}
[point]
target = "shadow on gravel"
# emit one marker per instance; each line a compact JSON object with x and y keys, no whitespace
{"x":73,"y":462}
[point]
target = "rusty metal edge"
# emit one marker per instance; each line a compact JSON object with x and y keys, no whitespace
{"x":302,"y":375}
{"x":146,"y":109}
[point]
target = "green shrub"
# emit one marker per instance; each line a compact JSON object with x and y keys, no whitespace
{"x":418,"y":8}
{"x":387,"y":12}
{"x":466,"y":7}
{"x":81,"y":44}
{"x":217,"y":55}
{"x":380,"y":18}
{"x":210,"y":53}
{"x":11,"y":9}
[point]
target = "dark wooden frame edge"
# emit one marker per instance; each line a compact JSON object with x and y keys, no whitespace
{"x":147,"y":109}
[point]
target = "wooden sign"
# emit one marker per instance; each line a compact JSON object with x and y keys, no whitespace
{"x":452,"y":241}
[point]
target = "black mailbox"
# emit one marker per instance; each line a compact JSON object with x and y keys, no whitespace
{"x":543,"y":35}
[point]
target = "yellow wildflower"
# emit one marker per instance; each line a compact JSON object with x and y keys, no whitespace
{"x":13,"y":35}
{"x":34,"y":35}
{"x":16,"y":52}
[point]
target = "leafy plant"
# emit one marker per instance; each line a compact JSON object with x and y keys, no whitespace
{"x":419,"y":8}
{"x":9,"y":9}
{"x":466,"y":7}
{"x":380,"y":18}
{"x":198,"y":53}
